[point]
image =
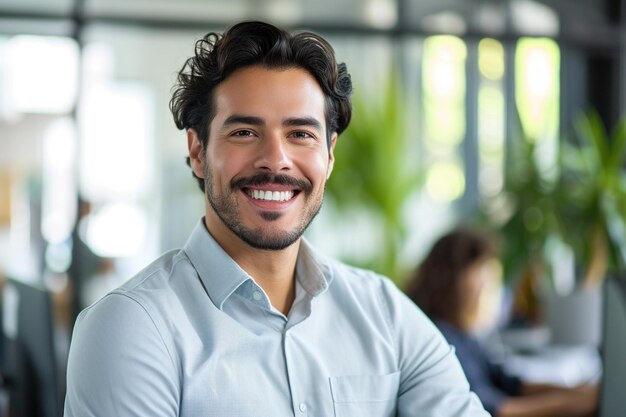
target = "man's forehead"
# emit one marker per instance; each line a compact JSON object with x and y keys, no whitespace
{"x":257,"y":79}
{"x":269,"y":93}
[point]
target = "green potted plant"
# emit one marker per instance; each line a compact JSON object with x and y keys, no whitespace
{"x":591,"y":198}
{"x":580,"y":202}
{"x":592,"y":189}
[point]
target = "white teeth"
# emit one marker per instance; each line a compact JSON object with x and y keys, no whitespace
{"x":270,"y":195}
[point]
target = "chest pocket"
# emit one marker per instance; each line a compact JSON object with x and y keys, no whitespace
{"x":365,"y":395}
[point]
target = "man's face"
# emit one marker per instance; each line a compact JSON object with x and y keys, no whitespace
{"x":267,"y":158}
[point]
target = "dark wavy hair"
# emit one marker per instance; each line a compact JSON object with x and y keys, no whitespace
{"x":435,"y":285}
{"x":257,"y":43}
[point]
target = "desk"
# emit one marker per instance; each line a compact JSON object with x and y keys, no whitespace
{"x":560,"y":365}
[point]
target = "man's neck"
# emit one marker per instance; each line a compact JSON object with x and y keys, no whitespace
{"x":273,"y":270}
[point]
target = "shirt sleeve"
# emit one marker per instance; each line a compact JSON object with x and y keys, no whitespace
{"x":118,"y":364}
{"x":432,"y":382}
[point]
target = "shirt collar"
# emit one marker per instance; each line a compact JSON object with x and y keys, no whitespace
{"x":313,"y":271}
{"x":221,"y":276}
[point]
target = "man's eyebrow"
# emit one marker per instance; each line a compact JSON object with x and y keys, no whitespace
{"x":242,"y":119}
{"x":303,"y":121}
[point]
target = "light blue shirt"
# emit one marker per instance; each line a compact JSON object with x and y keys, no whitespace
{"x":193,"y":335}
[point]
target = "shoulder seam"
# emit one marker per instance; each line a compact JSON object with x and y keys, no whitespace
{"x":168,"y":271}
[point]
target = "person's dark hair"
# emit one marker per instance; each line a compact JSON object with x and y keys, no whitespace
{"x":435,"y":284}
{"x":257,"y":43}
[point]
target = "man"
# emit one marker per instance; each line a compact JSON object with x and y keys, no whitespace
{"x":248,"y":319}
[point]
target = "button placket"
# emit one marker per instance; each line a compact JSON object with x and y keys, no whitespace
{"x":300,"y":408}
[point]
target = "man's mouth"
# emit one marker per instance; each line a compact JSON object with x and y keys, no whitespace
{"x":269,"y":195}
{"x":272,"y":188}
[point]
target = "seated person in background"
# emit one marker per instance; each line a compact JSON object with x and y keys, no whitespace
{"x":448,"y":287}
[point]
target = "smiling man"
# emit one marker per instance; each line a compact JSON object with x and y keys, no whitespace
{"x":248,"y":319}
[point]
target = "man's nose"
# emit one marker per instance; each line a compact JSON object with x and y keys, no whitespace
{"x":273,"y":154}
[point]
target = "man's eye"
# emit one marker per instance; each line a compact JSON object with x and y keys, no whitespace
{"x":243,"y":133}
{"x":302,"y":135}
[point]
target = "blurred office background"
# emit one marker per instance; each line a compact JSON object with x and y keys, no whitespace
{"x":496,"y":113}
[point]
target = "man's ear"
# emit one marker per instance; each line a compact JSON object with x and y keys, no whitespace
{"x":196,"y":153}
{"x":331,"y":155}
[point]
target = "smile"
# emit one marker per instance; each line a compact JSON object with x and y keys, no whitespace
{"x":270,"y":195}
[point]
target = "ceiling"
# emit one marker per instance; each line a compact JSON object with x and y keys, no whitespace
{"x":576,"y":21}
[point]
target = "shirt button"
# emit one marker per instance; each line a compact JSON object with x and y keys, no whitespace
{"x":302,"y":407}
{"x":257,"y":295}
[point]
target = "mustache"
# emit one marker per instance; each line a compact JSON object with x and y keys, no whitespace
{"x":267,"y":178}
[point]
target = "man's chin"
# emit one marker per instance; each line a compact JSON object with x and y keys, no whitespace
{"x":264,"y":240}
{"x":270,"y":216}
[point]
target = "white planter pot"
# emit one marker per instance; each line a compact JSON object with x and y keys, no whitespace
{"x":576,"y":318}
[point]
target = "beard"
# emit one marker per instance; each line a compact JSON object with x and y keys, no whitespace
{"x":227,"y":209}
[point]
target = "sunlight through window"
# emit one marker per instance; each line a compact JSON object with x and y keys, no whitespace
{"x":491,"y":128}
{"x":40,"y":75}
{"x":444,"y":115}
